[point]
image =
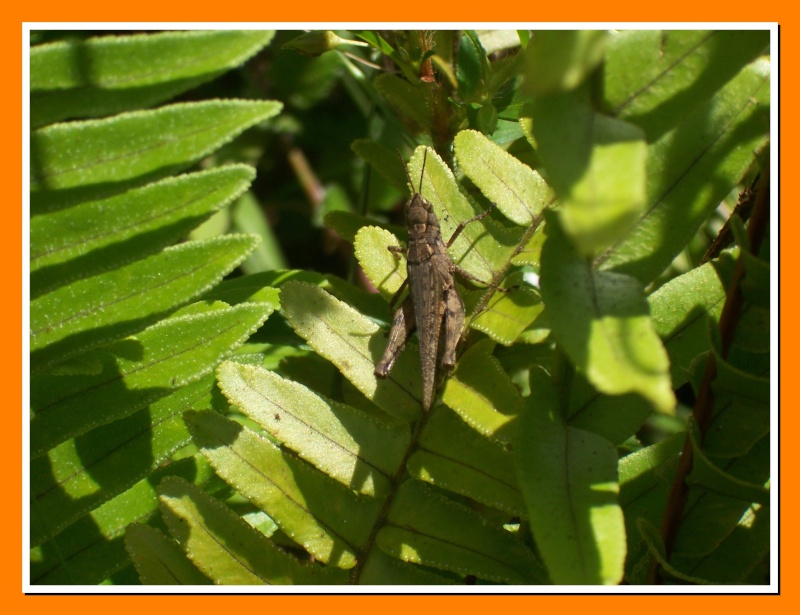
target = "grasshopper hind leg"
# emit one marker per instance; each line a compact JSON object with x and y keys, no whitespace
{"x":453,"y":325}
{"x":403,"y":326}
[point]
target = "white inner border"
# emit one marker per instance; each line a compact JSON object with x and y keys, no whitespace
{"x":772,"y":588}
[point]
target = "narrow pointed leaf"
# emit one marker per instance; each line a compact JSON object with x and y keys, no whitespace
{"x":602,"y":321}
{"x":517,"y":190}
{"x":91,"y":549}
{"x":455,"y":457}
{"x":226,"y":548}
{"x":426,"y":528}
{"x":354,"y":345}
{"x":349,"y":445}
{"x":99,"y":235}
{"x":109,"y":74}
{"x":327,"y":519}
{"x":569,"y":481}
{"x":137,"y":371}
{"x":90,"y":312}
{"x":132,"y":148}
{"x":158,"y":560}
{"x":83,"y":473}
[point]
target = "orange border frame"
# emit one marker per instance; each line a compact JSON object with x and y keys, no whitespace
{"x":360,"y":10}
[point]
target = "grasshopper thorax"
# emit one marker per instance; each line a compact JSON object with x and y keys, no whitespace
{"x":418,"y":210}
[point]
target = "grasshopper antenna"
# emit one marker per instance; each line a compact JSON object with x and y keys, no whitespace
{"x":421,"y":175}
{"x":405,"y":168}
{"x":408,"y":175}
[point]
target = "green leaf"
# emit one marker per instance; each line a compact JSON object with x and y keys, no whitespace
{"x":756,"y":283}
{"x":327,"y":519}
{"x":742,"y":558}
{"x":99,"y":235}
{"x":92,"y":548}
{"x":569,"y":482}
{"x":225,"y":548}
{"x":710,"y":516}
{"x":682,"y":308}
{"x":519,"y":192}
{"x":716,"y":140}
{"x":83,"y":473}
{"x":426,"y":528}
{"x":248,"y":217}
{"x":386,"y":270}
{"x":353,"y":344}
{"x":645,"y":477}
{"x":455,"y":457}
{"x":90,"y":312}
{"x":383,"y":160}
{"x":382,"y":569}
{"x":137,"y":371}
{"x":656,"y":547}
{"x":471,"y":65}
{"x":482,"y":394}
{"x":132,"y":148}
{"x":509,"y":314}
{"x":413,"y":104}
{"x":707,"y":474}
{"x":654,"y":78}
{"x":559,"y":60}
{"x":601,"y":319}
{"x":349,"y":445}
{"x":584,"y":153}
{"x":158,"y":560}
{"x":109,"y":74}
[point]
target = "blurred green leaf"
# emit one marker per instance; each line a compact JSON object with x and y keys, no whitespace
{"x":602,"y":320}
{"x":716,"y":140}
{"x":559,"y":60}
{"x":654,"y":78}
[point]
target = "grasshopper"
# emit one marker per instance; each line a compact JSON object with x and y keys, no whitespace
{"x":434,"y":308}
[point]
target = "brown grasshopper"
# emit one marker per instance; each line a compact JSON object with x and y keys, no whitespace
{"x":434,"y":308}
